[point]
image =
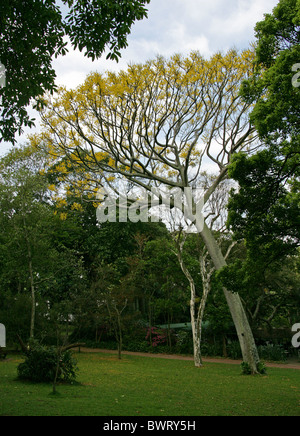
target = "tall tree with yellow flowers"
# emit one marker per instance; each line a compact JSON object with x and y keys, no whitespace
{"x":157,"y":126}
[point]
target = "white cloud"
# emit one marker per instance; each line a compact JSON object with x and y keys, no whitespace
{"x":181,"y":41}
{"x":176,"y":26}
{"x":236,"y":25}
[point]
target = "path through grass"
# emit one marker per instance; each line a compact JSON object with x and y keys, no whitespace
{"x":145,"y":386}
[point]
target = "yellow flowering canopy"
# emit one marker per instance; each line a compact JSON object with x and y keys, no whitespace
{"x":154,"y":123}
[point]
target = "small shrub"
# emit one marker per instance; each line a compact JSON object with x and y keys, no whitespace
{"x":41,"y":363}
{"x":246,"y":370}
{"x":272,"y":352}
{"x":138,"y":346}
{"x":261,"y":367}
{"x":158,"y":336}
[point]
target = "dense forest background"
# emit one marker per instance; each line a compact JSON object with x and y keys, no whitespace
{"x":64,"y":275}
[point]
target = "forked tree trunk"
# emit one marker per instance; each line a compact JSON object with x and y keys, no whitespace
{"x":195,"y":328}
{"x":244,"y":332}
{"x":196,"y":315}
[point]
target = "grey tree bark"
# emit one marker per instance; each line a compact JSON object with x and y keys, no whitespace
{"x":241,"y":322}
{"x":197,"y":313}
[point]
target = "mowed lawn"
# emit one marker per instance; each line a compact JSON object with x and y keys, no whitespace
{"x":146,"y":386}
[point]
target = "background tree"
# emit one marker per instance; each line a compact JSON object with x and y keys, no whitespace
{"x":74,"y":257}
{"x":170,"y":302}
{"x":215,"y":215}
{"x":158,"y":284}
{"x":266,"y":209}
{"x":32,"y":262}
{"x":33,"y":32}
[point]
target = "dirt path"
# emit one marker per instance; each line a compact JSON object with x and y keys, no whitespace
{"x":288,"y":365}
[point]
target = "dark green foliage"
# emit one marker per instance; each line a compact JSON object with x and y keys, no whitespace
{"x":234,"y":350}
{"x":272,"y":352}
{"x":41,"y":363}
{"x":246,"y":370}
{"x":266,"y":209}
{"x":3,"y":354}
{"x":32,"y":33}
{"x":278,"y":50}
{"x":35,"y":260}
{"x":93,"y":25}
{"x":81,"y":267}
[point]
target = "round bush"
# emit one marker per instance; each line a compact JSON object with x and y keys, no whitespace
{"x":41,"y":363}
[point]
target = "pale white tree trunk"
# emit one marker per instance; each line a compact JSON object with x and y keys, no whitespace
{"x":244,"y":332}
{"x":196,"y":314}
{"x":196,"y":323}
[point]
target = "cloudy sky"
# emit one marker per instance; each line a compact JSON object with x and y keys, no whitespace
{"x":173,"y":26}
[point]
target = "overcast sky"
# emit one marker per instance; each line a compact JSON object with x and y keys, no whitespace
{"x":173,"y":26}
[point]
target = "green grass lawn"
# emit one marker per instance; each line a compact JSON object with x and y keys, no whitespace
{"x":146,"y":386}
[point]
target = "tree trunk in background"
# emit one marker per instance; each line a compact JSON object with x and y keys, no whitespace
{"x":32,"y":321}
{"x":196,"y":323}
{"x":196,"y":332}
{"x":31,"y":277}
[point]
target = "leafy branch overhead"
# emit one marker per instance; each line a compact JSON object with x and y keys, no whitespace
{"x":32,"y":33}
